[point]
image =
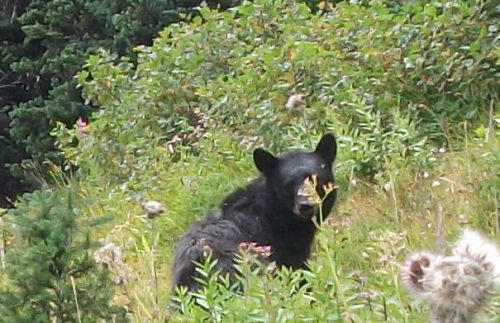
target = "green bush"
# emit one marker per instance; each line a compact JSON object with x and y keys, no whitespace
{"x":391,"y":86}
{"x":394,"y":80}
{"x":43,"y":45}
{"x":52,"y":275}
{"x":326,"y":292}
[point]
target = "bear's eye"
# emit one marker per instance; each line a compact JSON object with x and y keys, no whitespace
{"x":322,"y":165}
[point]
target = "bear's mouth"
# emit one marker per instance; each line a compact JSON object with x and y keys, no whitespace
{"x":304,"y":206}
{"x":306,"y":210}
{"x":306,"y":198}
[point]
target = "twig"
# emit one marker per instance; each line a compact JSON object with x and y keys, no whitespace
{"x":497,"y":226}
{"x":153,"y":263}
{"x":2,"y":239}
{"x":76,"y":299}
{"x":439,"y":230}
{"x":306,"y":126}
{"x":490,"y":122}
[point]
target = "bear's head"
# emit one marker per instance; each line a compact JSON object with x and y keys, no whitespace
{"x":301,"y":181}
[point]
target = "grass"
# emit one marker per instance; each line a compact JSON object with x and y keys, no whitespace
{"x":358,"y":251}
{"x":355,"y":267}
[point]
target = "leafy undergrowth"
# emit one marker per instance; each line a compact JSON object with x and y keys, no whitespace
{"x":355,"y":270}
{"x":409,"y":91}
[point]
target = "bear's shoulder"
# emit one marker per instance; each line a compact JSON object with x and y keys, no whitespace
{"x":244,"y":198}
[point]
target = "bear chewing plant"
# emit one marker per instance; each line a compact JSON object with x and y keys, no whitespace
{"x":457,"y":286}
{"x":274,"y":210}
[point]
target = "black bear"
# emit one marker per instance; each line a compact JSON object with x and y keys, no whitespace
{"x":273,"y":210}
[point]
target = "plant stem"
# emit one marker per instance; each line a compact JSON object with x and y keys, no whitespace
{"x":76,"y":299}
{"x":2,"y":242}
{"x":153,"y":262}
{"x":439,"y":229}
{"x":490,"y":122}
{"x":306,"y":127}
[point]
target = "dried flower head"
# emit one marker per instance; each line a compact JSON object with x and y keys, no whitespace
{"x":153,"y":208}
{"x":296,"y":101}
{"x":414,"y":271}
{"x":108,"y":254}
{"x":455,"y":286}
{"x":473,"y":245}
{"x":307,"y":190}
{"x":109,"y":257}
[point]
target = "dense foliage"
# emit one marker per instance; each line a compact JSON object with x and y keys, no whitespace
{"x":44,"y":44}
{"x":52,"y":273}
{"x":408,"y":87}
{"x":388,"y":84}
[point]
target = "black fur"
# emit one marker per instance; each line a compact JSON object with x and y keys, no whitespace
{"x":267,"y":211}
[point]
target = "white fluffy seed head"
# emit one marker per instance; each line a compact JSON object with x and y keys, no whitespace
{"x":455,"y":286}
{"x":109,"y":256}
{"x":456,"y":283}
{"x":474,"y":246}
{"x":296,"y":101}
{"x":414,"y":270}
{"x":153,"y":208}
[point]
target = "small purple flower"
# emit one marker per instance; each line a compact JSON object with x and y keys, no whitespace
{"x":82,"y":127}
{"x":252,"y":247}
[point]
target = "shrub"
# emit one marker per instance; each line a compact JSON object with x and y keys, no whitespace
{"x":52,"y":275}
{"x":392,"y":86}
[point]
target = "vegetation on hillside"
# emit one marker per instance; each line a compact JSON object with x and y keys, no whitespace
{"x":53,"y":276}
{"x":409,"y":88}
{"x":44,"y":44}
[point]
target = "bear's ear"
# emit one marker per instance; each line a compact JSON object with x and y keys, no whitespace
{"x":327,"y":148}
{"x":265,"y":161}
